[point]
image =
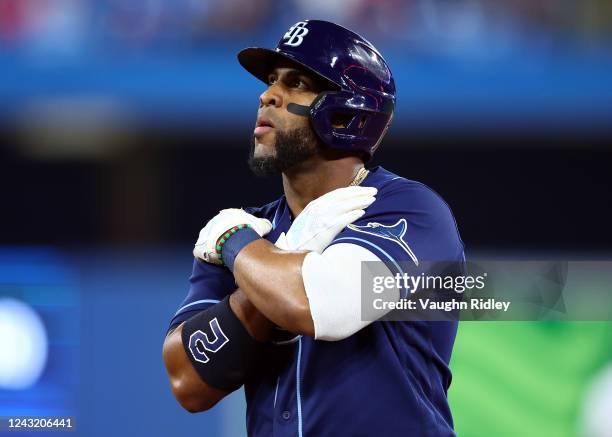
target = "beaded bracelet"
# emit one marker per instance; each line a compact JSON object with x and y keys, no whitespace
{"x":223,"y":239}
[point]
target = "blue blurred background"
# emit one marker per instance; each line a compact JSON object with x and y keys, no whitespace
{"x":124,"y":125}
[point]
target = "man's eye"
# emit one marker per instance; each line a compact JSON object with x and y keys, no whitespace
{"x":298,"y":83}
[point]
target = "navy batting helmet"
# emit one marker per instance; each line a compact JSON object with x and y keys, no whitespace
{"x":362,"y":90}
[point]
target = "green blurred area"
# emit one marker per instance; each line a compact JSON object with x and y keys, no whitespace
{"x":525,"y":378}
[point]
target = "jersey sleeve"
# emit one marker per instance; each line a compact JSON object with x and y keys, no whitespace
{"x":407,"y":225}
{"x":208,"y":284}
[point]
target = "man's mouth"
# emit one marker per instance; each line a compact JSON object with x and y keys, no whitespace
{"x":263,"y":126}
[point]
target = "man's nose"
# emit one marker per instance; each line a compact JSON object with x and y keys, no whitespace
{"x":270,"y":97}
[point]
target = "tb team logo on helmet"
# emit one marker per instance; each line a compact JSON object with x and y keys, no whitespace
{"x":296,"y":33}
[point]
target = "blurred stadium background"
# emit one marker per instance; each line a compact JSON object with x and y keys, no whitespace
{"x":125,"y":125}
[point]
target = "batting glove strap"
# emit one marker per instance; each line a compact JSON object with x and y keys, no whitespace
{"x":220,"y":348}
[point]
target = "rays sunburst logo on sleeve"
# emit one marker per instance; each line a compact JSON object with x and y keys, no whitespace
{"x":393,"y":233}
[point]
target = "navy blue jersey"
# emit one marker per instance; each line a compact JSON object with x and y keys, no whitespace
{"x":390,"y":378}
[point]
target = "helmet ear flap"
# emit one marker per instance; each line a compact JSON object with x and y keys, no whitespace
{"x":343,"y":120}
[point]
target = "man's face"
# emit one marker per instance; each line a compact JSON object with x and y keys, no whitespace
{"x":282,"y":139}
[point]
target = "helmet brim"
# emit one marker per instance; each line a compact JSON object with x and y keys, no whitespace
{"x":260,"y":61}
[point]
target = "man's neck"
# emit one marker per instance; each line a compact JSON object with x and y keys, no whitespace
{"x":316,"y":177}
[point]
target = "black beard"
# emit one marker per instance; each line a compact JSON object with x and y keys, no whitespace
{"x":291,"y":147}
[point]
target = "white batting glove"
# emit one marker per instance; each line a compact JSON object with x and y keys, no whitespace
{"x":205,"y":247}
{"x":325,"y":217}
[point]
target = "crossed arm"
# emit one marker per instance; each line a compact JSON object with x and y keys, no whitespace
{"x":270,"y":279}
{"x":271,"y":285}
{"x":187,"y":386}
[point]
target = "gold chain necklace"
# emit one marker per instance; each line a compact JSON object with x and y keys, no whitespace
{"x":361,"y":175}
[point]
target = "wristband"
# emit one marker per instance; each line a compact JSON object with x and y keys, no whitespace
{"x":233,"y":241}
{"x":219,"y":347}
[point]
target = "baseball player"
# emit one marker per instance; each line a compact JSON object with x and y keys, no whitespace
{"x":274,"y":298}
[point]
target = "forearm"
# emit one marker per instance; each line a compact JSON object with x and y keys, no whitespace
{"x":258,"y":326}
{"x":188,"y":388}
{"x":272,"y":280}
{"x":193,"y":392}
